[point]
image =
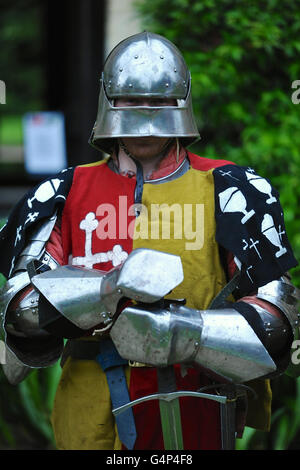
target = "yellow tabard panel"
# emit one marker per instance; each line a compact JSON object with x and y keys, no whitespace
{"x":82,"y":416}
{"x":203,"y":273}
{"x":186,"y":228}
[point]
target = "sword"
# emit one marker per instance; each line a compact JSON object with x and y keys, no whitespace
{"x":169,"y":408}
{"x":228,"y":415}
{"x":168,"y":397}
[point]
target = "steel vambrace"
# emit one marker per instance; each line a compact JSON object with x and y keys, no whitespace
{"x":86,"y":298}
{"x":228,"y":343}
{"x":69,"y":302}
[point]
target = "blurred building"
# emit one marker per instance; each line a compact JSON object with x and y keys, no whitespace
{"x":121,"y":21}
{"x":64,"y":48}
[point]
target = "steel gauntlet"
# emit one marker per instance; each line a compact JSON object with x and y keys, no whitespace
{"x":89,"y":299}
{"x":71,"y":302}
{"x":27,"y":345}
{"x":236,"y":344}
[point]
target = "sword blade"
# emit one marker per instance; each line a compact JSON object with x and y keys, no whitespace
{"x":169,"y":411}
{"x":171,"y":424}
{"x":228,"y":415}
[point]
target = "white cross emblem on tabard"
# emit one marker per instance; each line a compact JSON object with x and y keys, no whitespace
{"x":117,"y":255}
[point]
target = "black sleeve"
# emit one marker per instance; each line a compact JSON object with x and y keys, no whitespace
{"x":250,"y":224}
{"x":40,"y":203}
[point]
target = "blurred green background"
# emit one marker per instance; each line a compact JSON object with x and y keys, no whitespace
{"x":243,"y":57}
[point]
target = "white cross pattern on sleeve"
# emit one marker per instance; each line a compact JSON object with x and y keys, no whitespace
{"x":18,"y":234}
{"x":251,"y":245}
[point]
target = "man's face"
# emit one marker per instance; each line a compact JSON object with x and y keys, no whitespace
{"x":144,"y":148}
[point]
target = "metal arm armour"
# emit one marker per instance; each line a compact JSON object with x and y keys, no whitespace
{"x":71,"y":301}
{"x":27,"y":345}
{"x":236,"y":344}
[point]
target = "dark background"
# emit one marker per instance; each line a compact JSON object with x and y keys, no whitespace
{"x":51,"y":58}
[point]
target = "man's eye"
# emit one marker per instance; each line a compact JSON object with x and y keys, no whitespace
{"x":165,"y":103}
{"x":151,"y":103}
{"x":132,"y":103}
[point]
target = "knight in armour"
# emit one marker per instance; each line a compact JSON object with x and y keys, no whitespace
{"x":170,"y":344}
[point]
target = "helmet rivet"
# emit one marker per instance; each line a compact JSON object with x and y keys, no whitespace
{"x":147,"y":50}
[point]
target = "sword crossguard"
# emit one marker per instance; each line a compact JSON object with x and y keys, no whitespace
{"x":168,"y":397}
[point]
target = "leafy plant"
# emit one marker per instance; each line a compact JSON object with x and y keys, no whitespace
{"x":244,"y":58}
{"x":25,"y":410}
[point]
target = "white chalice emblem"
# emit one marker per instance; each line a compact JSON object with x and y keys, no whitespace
{"x":233,"y":200}
{"x":262,"y":185}
{"x":45,"y":191}
{"x":269,"y":230}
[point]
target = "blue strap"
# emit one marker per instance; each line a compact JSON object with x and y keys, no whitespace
{"x":112,"y":364}
{"x":108,"y":355}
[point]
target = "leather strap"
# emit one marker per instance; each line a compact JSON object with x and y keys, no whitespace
{"x":105,"y":353}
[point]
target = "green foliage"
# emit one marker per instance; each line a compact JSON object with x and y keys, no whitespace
{"x":2,"y":278}
{"x":244,"y":57}
{"x":11,"y":132}
{"x":21,"y":55}
{"x":285,"y":424}
{"x":25,"y":410}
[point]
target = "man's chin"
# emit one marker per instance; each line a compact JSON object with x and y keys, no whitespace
{"x":146,"y":147}
{"x":145,"y":154}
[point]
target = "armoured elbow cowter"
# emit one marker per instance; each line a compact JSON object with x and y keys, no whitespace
{"x":27,"y":345}
{"x":81,"y":298}
{"x":285,"y":296}
{"x":88,"y":298}
{"x":220,"y":341}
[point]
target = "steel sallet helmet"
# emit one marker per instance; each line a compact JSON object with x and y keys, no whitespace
{"x":145,"y":65}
